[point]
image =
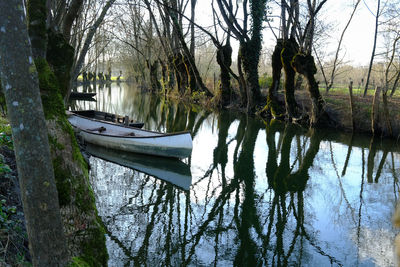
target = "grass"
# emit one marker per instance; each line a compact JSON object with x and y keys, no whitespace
{"x":113,"y":78}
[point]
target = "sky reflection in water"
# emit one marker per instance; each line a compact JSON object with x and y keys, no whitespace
{"x":268,"y":195}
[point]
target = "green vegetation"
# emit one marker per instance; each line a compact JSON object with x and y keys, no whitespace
{"x":5,"y":133}
{"x":53,"y":105}
{"x":265,"y":81}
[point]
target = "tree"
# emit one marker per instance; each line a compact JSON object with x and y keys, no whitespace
{"x":82,"y":54}
{"x":304,"y":63}
{"x":249,"y":45}
{"x":285,"y":49}
{"x":35,"y":170}
{"x":377,"y":15}
{"x":329,"y":83}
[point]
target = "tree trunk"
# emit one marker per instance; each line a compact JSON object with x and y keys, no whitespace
{"x":224,"y":60}
{"x":72,"y":14}
{"x":155,"y":83}
{"x":192,"y":37}
{"x":78,"y":64}
{"x":373,"y":49}
{"x":47,"y":242}
{"x":37,"y":16}
{"x":290,"y":48}
{"x":304,"y":64}
{"x":272,"y":101}
{"x":249,"y":56}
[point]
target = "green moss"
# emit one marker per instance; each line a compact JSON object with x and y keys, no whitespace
{"x":52,"y":101}
{"x":77,"y":189}
{"x":78,"y":262}
{"x":63,"y":182}
{"x":94,"y":250}
{"x":60,"y":56}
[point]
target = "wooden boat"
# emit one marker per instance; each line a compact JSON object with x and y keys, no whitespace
{"x":130,"y":139}
{"x":105,"y":116}
{"x":82,"y":96}
{"x":171,"y":170}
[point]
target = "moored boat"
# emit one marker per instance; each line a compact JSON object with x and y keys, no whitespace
{"x":105,"y":116}
{"x":131,"y":139}
{"x":82,"y":96}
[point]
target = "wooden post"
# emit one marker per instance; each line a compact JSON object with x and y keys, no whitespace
{"x":375,"y":110}
{"x":386,"y":112}
{"x":351,"y":105}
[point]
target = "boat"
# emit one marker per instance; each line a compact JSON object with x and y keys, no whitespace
{"x":130,"y":139}
{"x":105,"y":116}
{"x":82,"y":96}
{"x":171,"y":170}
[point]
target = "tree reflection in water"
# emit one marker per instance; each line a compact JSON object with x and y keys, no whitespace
{"x":262,"y":195}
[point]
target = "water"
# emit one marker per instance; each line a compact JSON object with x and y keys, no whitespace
{"x":252,"y":193}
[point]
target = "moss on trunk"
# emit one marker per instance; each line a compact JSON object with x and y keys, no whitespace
{"x":60,"y":55}
{"x":305,"y":65}
{"x":249,"y":56}
{"x":224,"y":60}
{"x":272,"y":105}
{"x":83,"y":228}
{"x":154,"y":82}
{"x":290,"y":49}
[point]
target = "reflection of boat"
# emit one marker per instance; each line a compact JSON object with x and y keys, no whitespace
{"x":170,"y":170}
{"x":130,"y":139}
{"x":82,"y":96}
{"x":104,"y":116}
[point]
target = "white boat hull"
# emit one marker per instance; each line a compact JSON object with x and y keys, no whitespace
{"x":176,"y":145}
{"x":173,"y":171}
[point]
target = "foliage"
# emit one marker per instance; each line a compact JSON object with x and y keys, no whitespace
{"x":5,"y":133}
{"x":265,"y":81}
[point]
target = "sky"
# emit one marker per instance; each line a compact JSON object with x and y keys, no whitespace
{"x":358,"y":39}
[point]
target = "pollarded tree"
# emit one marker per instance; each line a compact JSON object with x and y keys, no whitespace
{"x":249,"y":45}
{"x":285,"y":49}
{"x":303,"y":62}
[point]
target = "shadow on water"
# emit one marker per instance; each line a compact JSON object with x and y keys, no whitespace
{"x":262,"y":194}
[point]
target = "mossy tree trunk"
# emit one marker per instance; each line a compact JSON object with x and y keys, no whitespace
{"x":154,"y":81}
{"x":305,"y":65}
{"x":224,"y":60}
{"x":181,"y":74}
{"x":290,"y":49}
{"x":47,"y":243}
{"x":85,"y":235}
{"x":249,"y":55}
{"x":272,"y":101}
{"x":249,"y":46}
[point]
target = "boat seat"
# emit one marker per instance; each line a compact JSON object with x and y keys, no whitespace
{"x":99,"y":129}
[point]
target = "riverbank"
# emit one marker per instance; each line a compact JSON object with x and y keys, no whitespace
{"x":82,"y":227}
{"x":338,"y":108}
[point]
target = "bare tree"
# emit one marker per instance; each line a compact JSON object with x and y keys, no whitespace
{"x":336,"y":58}
{"x":377,"y":15}
{"x":82,"y":53}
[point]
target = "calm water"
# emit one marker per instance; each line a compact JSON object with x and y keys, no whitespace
{"x":251,"y":194}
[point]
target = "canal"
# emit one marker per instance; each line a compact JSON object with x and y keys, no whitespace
{"x":252,"y":193}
